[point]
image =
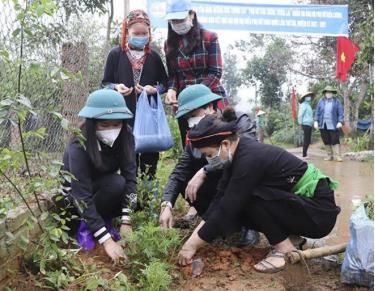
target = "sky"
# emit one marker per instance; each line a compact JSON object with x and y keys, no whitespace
{"x":247,"y":95}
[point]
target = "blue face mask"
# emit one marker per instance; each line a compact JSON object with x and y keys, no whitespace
{"x":308,"y":99}
{"x":138,"y":41}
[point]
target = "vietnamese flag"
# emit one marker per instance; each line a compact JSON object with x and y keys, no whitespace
{"x":346,"y":51}
{"x":293,"y":100}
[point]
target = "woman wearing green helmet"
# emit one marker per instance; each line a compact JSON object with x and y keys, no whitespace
{"x":98,"y":192}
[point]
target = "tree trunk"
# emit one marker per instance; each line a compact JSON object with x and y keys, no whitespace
{"x":358,"y":101}
{"x":347,"y":104}
{"x":109,"y":27}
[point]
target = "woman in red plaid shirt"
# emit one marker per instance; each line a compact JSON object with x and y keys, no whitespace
{"x":193,"y":56}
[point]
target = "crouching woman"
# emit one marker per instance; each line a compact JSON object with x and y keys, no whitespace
{"x":104,"y":170}
{"x":263,"y":187}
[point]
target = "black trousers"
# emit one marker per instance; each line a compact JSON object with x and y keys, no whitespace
{"x":109,"y":191}
{"x":147,"y":163}
{"x":307,"y":130}
{"x":278,"y":219}
{"x":330,"y":137}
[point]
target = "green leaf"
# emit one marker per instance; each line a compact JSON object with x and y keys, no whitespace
{"x":16,"y":32}
{"x":44,"y":216}
{"x":40,"y":10}
{"x":28,"y":31}
{"x":63,"y":76}
{"x":35,"y":69}
{"x":24,"y":101}
{"x":10,"y":235}
{"x":65,"y":124}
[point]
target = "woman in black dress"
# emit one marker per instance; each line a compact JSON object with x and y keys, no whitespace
{"x":263,"y":187}
{"x":133,"y":67}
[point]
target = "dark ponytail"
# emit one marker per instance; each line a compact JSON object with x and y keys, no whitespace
{"x":229,"y":115}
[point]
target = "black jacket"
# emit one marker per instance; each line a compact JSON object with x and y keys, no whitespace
{"x":191,"y":161}
{"x":77,"y":162}
{"x":118,"y":70}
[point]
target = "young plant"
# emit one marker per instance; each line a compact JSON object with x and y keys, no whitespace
{"x":156,"y":277}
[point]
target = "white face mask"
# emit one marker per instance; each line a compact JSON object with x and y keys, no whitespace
{"x":194,"y":121}
{"x":217,"y":162}
{"x":183,"y":27}
{"x":108,"y":136}
{"x":329,"y":95}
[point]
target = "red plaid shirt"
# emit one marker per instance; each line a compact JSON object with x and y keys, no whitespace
{"x":201,"y":66}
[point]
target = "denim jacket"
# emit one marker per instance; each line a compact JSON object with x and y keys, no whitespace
{"x":337,"y":112}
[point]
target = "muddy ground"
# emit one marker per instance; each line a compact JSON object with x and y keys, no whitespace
{"x":231,"y":268}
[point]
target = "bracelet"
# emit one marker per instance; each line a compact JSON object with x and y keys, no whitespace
{"x":125,"y":223}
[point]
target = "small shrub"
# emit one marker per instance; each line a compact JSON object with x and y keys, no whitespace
{"x":358,"y":143}
{"x":156,"y":277}
{"x":369,"y":205}
{"x":151,"y":242}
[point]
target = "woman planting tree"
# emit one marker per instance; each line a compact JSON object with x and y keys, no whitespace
{"x":263,"y":187}
{"x":98,"y":191}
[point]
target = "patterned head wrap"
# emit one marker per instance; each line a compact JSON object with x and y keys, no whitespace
{"x":135,"y":16}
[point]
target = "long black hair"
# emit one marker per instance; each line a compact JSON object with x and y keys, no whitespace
{"x":193,"y":37}
{"x":124,"y":143}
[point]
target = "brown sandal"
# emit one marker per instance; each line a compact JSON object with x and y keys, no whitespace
{"x":268,"y":267}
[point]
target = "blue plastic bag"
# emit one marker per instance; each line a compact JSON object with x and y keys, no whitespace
{"x":358,"y":265}
{"x":151,"y":130}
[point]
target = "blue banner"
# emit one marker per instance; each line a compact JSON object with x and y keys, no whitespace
{"x":263,"y":18}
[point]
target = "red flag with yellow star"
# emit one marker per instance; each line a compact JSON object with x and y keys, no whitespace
{"x":346,"y":51}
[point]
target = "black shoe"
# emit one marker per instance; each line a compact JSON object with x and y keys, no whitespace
{"x":248,"y":237}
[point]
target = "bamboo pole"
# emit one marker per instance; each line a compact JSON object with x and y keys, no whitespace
{"x":296,"y":256}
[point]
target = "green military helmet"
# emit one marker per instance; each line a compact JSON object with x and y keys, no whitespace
{"x":194,"y":97}
{"x":105,"y":104}
{"x":329,"y":89}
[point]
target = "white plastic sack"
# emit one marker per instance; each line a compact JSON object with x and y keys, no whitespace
{"x":358,"y":265}
{"x":151,"y":130}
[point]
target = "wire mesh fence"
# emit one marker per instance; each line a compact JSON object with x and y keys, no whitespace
{"x":54,"y":61}
{"x":52,"y":53}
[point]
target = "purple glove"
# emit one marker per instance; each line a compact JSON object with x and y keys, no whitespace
{"x":84,"y":237}
{"x":112,"y":231}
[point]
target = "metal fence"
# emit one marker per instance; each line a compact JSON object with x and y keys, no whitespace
{"x":54,"y":59}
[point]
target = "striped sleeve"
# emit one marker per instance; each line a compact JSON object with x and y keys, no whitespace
{"x":102,"y":235}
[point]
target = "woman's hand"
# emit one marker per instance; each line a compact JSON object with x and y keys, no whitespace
{"x":166,"y":217}
{"x":190,"y":247}
{"x":113,"y":250}
{"x":194,"y":184}
{"x":171,"y":98}
{"x":122,"y":89}
{"x":186,"y":254}
{"x":150,"y":90}
{"x":125,"y":231}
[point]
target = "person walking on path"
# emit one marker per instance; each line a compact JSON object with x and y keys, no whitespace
{"x":261,"y":124}
{"x":193,"y":56}
{"x":329,"y":118}
{"x":104,"y":171}
{"x":306,"y":120}
{"x":133,"y":67}
{"x":265,"y":188}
